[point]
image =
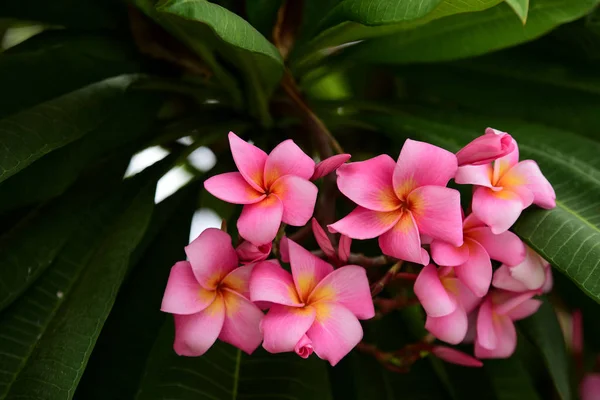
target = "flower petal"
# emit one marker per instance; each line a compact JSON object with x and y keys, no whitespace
{"x":524,"y":310}
{"x":242,"y":322}
{"x":249,"y":253}
{"x":232,"y":188}
{"x":504,"y":280}
{"x":506,"y":342}
{"x":212,"y":256}
{"x":183,"y":294}
{"x":283,"y":327}
{"x":344,"y":248}
{"x":589,"y":388}
{"x":450,"y":328}
{"x":499,"y":210}
{"x":304,"y":347}
{"x":532,"y":271}
{"x":365,"y":224}
{"x":503,"y":164}
{"x":349,"y":287}
{"x":527,"y":173}
{"x":288,"y":159}
{"x":480,"y":175}
{"x":369,"y":183}
{"x":444,"y":253}
{"x":486,"y":334}
{"x":476,"y":272}
{"x":505,"y":247}
{"x":454,"y":356}
{"x":238,"y":280}
{"x":298,"y":197}
{"x":307,"y":269}
{"x":422,"y":164}
{"x":249,"y":159}
{"x":322,"y":239}
{"x":260,"y":222}
{"x":329,"y":165}
{"x":486,"y":148}
{"x":432,"y":294}
{"x":403,"y":241}
{"x":335,"y":332}
{"x":271,"y":283}
{"x":437,"y":212}
{"x":196,"y":333}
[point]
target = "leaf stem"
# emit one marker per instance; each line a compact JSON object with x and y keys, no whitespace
{"x":378,"y":286}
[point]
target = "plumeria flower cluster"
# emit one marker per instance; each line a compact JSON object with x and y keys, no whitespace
{"x":476,"y":276}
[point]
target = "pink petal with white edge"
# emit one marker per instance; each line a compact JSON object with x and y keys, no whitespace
{"x":532,"y":271}
{"x":344,"y":248}
{"x":479,"y":175}
{"x":505,"y":247}
{"x":212,"y":256}
{"x":528,"y":173}
{"x":288,"y":159}
{"x":365,"y":224}
{"x":454,"y":356}
{"x":504,"y":280}
{"x":423,"y":164}
{"x":183,"y":294}
{"x":304,"y":347}
{"x":271,"y":283}
{"x":432,"y":294}
{"x":589,"y":388}
{"x":437,"y":212}
{"x":307,"y":269}
{"x":499,"y":210}
{"x":524,"y":310}
{"x":486,"y":148}
{"x":322,"y":239}
{"x":369,"y":183}
{"x":242,"y":322}
{"x":329,"y":165}
{"x":403,"y":241}
{"x":349,"y":287}
{"x":549,"y":282}
{"x":233,"y":188}
{"x":450,"y":328}
{"x":506,"y":343}
{"x":298,"y":197}
{"x":249,"y":159}
{"x":476,"y":273}
{"x":444,"y":253}
{"x":196,"y":333}
{"x":238,"y":280}
{"x":486,"y":334}
{"x":283,"y":327}
{"x":335,"y":332}
{"x":249,"y":253}
{"x":259,"y":223}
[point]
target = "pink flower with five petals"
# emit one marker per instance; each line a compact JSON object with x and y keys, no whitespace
{"x":315,"y":308}
{"x":401,"y":201}
{"x":209,"y":298}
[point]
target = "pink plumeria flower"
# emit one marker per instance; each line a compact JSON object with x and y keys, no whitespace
{"x":505,"y":189}
{"x":401,"y":201}
{"x":486,"y":148}
{"x":209,"y":298}
{"x":343,"y":253}
{"x":496,"y":333}
{"x":273,"y":188}
{"x":589,"y":389}
{"x":329,"y":165}
{"x":446,"y":302}
{"x":454,"y":356}
{"x":534,"y":273}
{"x":249,"y":253}
{"x":472,"y":260}
{"x":315,"y":308}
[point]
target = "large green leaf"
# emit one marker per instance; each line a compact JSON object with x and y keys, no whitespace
{"x":30,"y":134}
{"x":567,"y":236}
{"x":521,"y":7}
{"x":225,"y":373}
{"x":54,"y":63}
{"x":55,"y":367}
{"x":510,"y":379}
{"x":467,"y":35}
{"x":120,"y":355}
{"x":544,"y":331}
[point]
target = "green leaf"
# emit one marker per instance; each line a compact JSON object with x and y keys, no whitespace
{"x":225,"y":373}
{"x":544,"y":331}
{"x":32,"y":133}
{"x":262,"y":14}
{"x":81,"y":14}
{"x":521,"y":7}
{"x":120,"y":355}
{"x":55,"y":367}
{"x":510,"y":379}
{"x":462,"y":36}
{"x":54,"y":63}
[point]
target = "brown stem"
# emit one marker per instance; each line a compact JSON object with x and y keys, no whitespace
{"x":386,"y":306}
{"x":361,"y":259}
{"x":400,"y":360}
{"x":289,"y":19}
{"x":378,"y":286}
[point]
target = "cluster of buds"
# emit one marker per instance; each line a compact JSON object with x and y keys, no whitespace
{"x":305,"y":302}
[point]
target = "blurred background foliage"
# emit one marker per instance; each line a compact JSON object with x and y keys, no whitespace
{"x":112,"y":114}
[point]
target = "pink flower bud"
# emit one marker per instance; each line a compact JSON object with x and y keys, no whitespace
{"x":454,"y":356}
{"x":304,"y":347}
{"x":329,"y":165}
{"x":486,"y":148}
{"x":249,"y":253}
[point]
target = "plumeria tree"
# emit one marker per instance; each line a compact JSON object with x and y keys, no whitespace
{"x":405,"y":199}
